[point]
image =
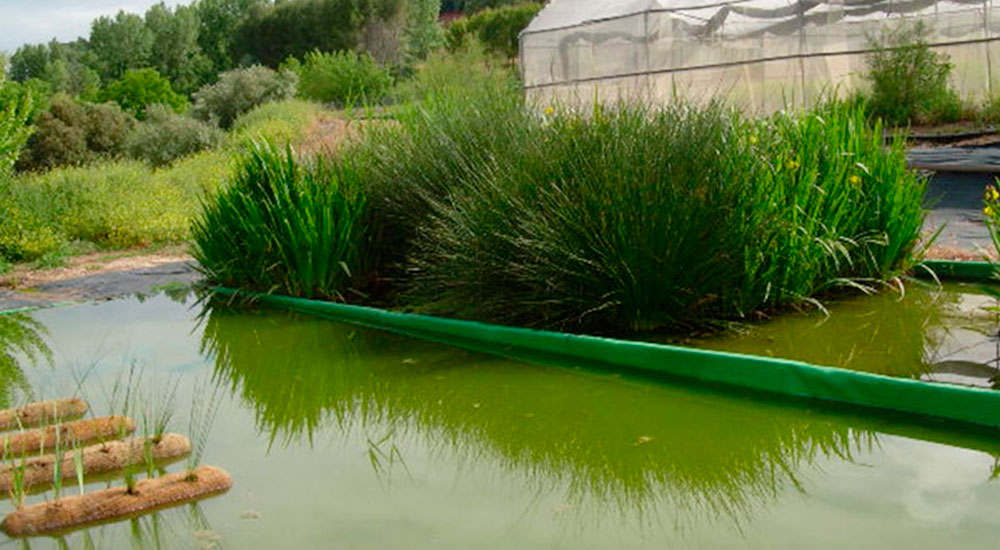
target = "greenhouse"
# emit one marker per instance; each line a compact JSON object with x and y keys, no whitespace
{"x":760,"y":54}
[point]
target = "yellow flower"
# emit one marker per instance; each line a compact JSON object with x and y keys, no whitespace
{"x":988,"y":211}
{"x":793,"y":164}
{"x":854,"y":179}
{"x":992,"y":193}
{"x":753,"y":140}
{"x":550,"y":110}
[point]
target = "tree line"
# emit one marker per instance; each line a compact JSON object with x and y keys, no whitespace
{"x":191,"y":45}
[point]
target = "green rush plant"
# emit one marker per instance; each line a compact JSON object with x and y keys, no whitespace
{"x":284,"y":226}
{"x":620,"y":218}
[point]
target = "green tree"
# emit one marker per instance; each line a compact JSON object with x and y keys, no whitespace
{"x":423,"y":34}
{"x":137,"y":89}
{"x":175,"y":41}
{"x":220,"y":21}
{"x":297,"y":27}
{"x":119,"y":44}
{"x":69,"y":69}
{"x":15,"y":109}
{"x":29,"y":61}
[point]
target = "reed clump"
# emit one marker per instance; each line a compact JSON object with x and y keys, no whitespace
{"x":623,"y":218}
{"x":284,"y":226}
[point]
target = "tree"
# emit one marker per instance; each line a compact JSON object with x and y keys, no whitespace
{"x":69,"y":69}
{"x":29,"y":61}
{"x":297,"y":27}
{"x":175,"y":42}
{"x":137,"y":89}
{"x":120,"y":44}
{"x":220,"y":21}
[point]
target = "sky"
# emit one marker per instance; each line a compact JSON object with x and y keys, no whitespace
{"x":33,"y":21}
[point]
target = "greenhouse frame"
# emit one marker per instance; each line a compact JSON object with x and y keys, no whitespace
{"x":762,"y":55}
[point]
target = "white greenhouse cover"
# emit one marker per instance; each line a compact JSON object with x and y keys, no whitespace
{"x":763,"y":54}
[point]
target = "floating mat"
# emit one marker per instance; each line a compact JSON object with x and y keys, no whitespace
{"x":976,"y":406}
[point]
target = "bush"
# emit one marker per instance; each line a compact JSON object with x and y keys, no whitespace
{"x":498,"y":28}
{"x":113,"y":205}
{"x":342,"y":78}
{"x":137,"y":89}
{"x":281,"y":122}
{"x":631,"y":219}
{"x":283,"y":227}
{"x":909,"y":81}
{"x":75,"y":133}
{"x":238,"y":91}
{"x":456,"y":73}
{"x":166,"y":136}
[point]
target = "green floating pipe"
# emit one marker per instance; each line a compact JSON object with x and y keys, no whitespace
{"x":956,"y":271}
{"x":975,"y":406}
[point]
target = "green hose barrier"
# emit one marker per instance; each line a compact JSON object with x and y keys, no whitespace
{"x":975,"y":406}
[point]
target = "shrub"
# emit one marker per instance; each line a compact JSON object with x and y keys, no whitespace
{"x":166,"y":136}
{"x":281,"y":122}
{"x":74,"y":133}
{"x":455,"y":73}
{"x":342,"y":78}
{"x":240,"y":90}
{"x":498,"y":28}
{"x":631,"y":219}
{"x":284,"y":227}
{"x":137,"y":89}
{"x":113,"y":205}
{"x":909,"y":81}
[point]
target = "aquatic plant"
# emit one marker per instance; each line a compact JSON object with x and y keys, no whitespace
{"x":631,"y":218}
{"x":284,"y":226}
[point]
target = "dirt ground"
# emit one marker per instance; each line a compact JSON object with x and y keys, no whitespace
{"x":25,"y":277}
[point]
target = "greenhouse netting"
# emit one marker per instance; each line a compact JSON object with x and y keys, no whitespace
{"x":760,"y":54}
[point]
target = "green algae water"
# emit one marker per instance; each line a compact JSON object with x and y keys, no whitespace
{"x":944,"y":335}
{"x":339,"y":437}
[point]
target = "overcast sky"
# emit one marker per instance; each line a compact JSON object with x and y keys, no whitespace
{"x":32,"y":21}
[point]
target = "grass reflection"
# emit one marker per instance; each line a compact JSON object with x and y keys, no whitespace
{"x":619,"y":443}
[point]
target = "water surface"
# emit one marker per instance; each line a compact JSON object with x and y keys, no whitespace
{"x":339,"y":437}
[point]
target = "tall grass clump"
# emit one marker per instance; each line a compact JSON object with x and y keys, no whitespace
{"x":622,"y":218}
{"x":630,"y":218}
{"x":284,"y":226}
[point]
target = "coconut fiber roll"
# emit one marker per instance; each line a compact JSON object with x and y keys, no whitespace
{"x":117,"y":503}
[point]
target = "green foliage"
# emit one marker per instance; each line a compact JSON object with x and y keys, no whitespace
{"x":497,"y":28}
{"x":473,"y":6}
{"x":342,"y":78}
{"x":166,"y":136}
{"x":113,"y":205}
{"x":909,"y":81}
{"x":137,"y":89}
{"x":297,"y":27}
{"x":119,"y":44}
{"x":457,"y":73}
{"x":423,"y":33}
{"x":240,"y":90}
{"x":283,"y":226}
{"x":178,"y":57}
{"x":631,"y":218}
{"x":279,"y":122}
{"x":29,"y":61}
{"x":73,"y":133}
{"x":15,"y":112}
{"x":60,"y":66}
{"x":220,"y":21}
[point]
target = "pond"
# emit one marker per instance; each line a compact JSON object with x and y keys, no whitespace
{"x":349,"y":438}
